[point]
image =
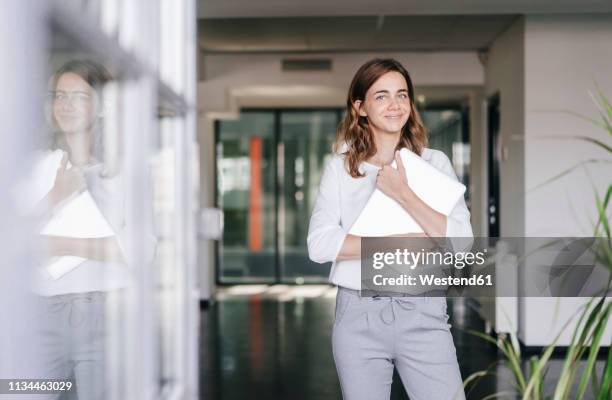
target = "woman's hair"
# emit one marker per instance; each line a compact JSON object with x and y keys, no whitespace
{"x":96,"y":75}
{"x":354,"y":138}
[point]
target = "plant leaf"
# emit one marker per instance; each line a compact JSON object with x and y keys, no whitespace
{"x":602,"y":208}
{"x":581,"y":138}
{"x":606,"y":379}
{"x":594,"y":350}
{"x":567,"y":171}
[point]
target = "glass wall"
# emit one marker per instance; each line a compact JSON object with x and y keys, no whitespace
{"x":306,"y":139}
{"x":269,"y":164}
{"x":448,"y":131}
{"x":101,"y":196}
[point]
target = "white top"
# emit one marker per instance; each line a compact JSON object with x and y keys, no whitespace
{"x":339,"y":202}
{"x":108,"y":195}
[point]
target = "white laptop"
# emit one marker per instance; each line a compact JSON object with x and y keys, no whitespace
{"x":383,"y":216}
{"x":79,"y":218}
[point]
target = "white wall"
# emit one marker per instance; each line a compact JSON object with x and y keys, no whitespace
{"x":540,"y":64}
{"x":547,"y":63}
{"x":564,"y":57}
{"x":504,"y":75}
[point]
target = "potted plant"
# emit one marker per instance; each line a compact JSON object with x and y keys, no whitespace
{"x":586,"y":343}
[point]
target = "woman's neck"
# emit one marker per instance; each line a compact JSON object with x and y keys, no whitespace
{"x":79,"y":144}
{"x":385,"y":147}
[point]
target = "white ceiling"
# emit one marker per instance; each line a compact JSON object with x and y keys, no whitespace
{"x":343,"y":34}
{"x":304,"y":8}
{"x":305,"y":26}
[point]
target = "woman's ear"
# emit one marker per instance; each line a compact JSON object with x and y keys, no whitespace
{"x":359,"y":109}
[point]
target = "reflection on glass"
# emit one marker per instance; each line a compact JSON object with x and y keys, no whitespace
{"x":78,"y":202}
{"x":166,"y":273}
{"x":246,"y":193}
{"x":447,"y":132}
{"x":307,"y":138}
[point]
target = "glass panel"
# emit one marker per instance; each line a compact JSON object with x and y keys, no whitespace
{"x":172,"y":57}
{"x":76,"y":190}
{"x":245,"y":193}
{"x":446,"y":132}
{"x":307,"y":139}
{"x":106,"y":292}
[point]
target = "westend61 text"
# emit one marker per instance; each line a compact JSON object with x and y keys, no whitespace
{"x":432,"y":280}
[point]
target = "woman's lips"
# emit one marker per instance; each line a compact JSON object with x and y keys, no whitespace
{"x":68,"y":117}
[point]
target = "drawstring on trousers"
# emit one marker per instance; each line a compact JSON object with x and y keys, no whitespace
{"x":387,"y":313}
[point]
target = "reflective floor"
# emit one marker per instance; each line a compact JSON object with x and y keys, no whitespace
{"x":274,"y":342}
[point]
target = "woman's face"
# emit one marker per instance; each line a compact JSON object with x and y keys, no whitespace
{"x":73,"y":104}
{"x":386,"y":104}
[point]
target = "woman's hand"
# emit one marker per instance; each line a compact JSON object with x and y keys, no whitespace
{"x":67,"y":182}
{"x":101,"y":249}
{"x":391,"y":181}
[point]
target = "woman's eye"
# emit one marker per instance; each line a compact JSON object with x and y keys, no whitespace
{"x":403,"y":96}
{"x":381,"y":97}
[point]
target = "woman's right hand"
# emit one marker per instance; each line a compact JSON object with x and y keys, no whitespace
{"x":67,"y":182}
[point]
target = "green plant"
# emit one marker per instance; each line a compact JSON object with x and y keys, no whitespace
{"x":593,"y":317}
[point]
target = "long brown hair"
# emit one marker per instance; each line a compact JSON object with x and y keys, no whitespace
{"x":354,"y":138}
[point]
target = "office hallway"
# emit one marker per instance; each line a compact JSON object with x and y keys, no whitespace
{"x":275,"y":343}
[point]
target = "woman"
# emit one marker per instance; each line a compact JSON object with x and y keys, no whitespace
{"x":85,"y":260}
{"x":372,"y":335}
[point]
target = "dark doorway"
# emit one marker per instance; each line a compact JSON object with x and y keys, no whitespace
{"x":493,"y":159}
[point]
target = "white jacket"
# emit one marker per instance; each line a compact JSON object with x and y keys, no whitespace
{"x":339,"y":202}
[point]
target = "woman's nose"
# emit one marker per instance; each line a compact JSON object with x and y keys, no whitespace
{"x":394,"y":104}
{"x":67,"y":105}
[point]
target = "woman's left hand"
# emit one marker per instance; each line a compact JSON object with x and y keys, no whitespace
{"x":391,"y":181}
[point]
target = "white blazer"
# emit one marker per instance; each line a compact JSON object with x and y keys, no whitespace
{"x":339,"y":202}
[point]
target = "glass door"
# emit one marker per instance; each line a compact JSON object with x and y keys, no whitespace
{"x":269,"y":164}
{"x":246,"y":182}
{"x":306,"y":138}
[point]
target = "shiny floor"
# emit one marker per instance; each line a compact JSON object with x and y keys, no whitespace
{"x":273,"y":342}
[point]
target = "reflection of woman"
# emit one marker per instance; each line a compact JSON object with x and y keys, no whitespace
{"x":86,"y":265}
{"x":373,"y":335}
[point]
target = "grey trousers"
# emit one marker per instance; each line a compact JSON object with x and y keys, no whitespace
{"x":73,"y":337}
{"x":372,"y":335}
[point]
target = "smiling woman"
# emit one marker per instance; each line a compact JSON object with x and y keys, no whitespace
{"x":388,"y":107}
{"x":75,"y":109}
{"x":83,"y":231}
{"x":380,"y":100}
{"x":372,"y":336}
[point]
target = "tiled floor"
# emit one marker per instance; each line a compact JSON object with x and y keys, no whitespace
{"x":274,"y":342}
